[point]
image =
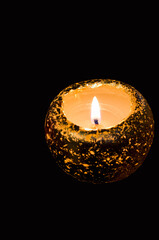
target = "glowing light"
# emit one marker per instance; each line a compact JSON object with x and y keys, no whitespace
{"x":95,"y":112}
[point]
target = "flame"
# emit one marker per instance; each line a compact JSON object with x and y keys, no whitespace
{"x":95,"y":112}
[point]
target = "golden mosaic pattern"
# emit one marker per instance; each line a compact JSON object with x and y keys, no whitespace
{"x":105,"y":155}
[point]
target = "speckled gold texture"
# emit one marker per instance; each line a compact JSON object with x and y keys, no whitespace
{"x":104,"y":155}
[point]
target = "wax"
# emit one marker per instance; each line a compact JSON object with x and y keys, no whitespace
{"x":115,"y":105}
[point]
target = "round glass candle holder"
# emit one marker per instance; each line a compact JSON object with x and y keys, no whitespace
{"x":103,"y":153}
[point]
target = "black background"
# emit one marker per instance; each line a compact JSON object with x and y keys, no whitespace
{"x":74,"y":55}
{"x":47,"y":49}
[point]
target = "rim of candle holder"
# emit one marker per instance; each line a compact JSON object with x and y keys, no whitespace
{"x":139,"y":107}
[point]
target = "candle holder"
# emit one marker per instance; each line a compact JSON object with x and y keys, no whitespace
{"x":106,"y":152}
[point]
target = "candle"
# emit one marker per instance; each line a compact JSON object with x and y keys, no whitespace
{"x":99,"y":130}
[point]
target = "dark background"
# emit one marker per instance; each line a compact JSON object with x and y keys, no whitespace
{"x":48,"y":52}
{"x":64,"y":55}
{"x":46,"y":49}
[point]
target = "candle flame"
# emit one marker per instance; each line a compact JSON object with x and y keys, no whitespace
{"x":95,"y":112}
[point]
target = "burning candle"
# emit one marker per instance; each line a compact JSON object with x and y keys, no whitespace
{"x":99,"y":130}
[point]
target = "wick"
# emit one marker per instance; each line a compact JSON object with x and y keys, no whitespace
{"x":96,"y":121}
